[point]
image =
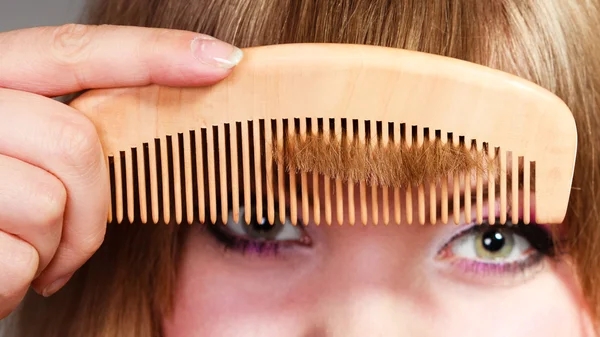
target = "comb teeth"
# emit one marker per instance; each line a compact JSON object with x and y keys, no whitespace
{"x":216,"y":174}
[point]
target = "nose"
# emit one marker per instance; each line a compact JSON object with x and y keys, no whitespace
{"x":371,"y":283}
{"x":370,"y":313}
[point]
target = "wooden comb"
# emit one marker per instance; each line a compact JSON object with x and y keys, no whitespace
{"x":194,"y":153}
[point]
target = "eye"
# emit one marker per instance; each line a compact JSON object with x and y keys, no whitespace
{"x":262,"y":230}
{"x":497,"y":254}
{"x":496,"y":251}
{"x":259,"y":236}
{"x":499,"y":244}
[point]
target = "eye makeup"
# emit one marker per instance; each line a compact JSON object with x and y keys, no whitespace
{"x":497,"y":250}
{"x":259,"y":237}
{"x":488,"y":251}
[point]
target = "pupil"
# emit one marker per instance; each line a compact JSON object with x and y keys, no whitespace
{"x":261,"y":229}
{"x":493,"y":241}
{"x":262,"y":226}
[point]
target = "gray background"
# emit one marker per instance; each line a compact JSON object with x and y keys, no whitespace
{"x":16,"y":14}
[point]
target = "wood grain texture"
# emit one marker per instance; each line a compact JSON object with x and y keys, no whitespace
{"x":277,"y":86}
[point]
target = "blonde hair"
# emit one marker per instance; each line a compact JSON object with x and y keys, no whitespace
{"x":126,"y":287}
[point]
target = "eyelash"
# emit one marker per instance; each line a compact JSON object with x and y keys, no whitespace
{"x":536,"y":236}
{"x":245,"y":245}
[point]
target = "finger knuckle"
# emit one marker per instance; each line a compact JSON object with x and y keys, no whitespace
{"x":158,"y":38}
{"x":71,"y":43}
{"x":78,"y":144}
{"x":49,"y":202}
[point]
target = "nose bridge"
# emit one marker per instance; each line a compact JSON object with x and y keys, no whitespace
{"x":382,"y":256}
{"x":370,"y":313}
{"x":372,"y":284}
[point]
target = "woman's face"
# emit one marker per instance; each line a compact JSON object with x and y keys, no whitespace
{"x":374,"y":280}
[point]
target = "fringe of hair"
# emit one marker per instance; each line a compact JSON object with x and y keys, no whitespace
{"x":394,"y":165}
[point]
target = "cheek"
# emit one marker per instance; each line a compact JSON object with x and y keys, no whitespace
{"x":218,"y":296}
{"x":543,"y":307}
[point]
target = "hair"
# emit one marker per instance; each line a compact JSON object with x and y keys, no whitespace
{"x":126,"y":287}
{"x":393,"y":164}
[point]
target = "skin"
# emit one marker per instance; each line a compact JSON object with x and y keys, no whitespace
{"x":367,"y":281}
{"x":53,"y":180}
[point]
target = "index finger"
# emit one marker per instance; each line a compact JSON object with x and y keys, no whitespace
{"x":55,"y":61}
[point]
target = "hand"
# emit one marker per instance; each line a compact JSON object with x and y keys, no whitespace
{"x":54,"y":185}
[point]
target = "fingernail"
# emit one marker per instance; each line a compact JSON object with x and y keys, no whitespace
{"x":216,"y":53}
{"x":55,"y":286}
